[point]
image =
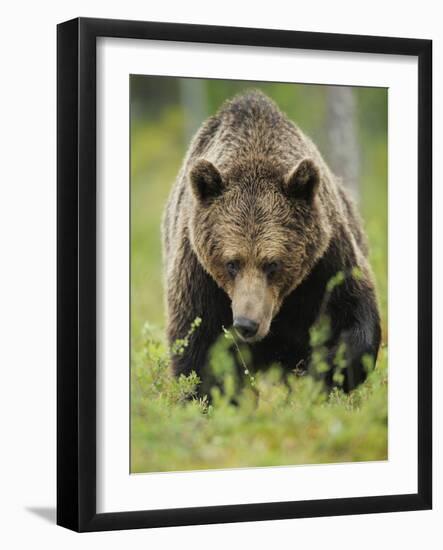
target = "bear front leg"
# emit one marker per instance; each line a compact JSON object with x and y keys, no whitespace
{"x":348,"y":367}
{"x":190,"y":352}
{"x":356,"y":336}
{"x":193,"y":295}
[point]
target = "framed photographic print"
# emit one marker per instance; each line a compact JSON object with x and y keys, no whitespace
{"x":244,"y":274}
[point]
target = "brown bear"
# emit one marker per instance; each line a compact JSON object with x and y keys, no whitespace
{"x":254,"y":228}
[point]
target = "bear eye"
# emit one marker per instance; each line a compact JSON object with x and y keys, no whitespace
{"x":233,"y":267}
{"x":270,"y":268}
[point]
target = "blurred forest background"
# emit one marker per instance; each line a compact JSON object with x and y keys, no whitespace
{"x":349,"y":125}
{"x":277,"y":421}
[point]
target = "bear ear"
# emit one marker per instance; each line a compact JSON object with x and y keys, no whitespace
{"x":303,"y":180}
{"x":206,"y":181}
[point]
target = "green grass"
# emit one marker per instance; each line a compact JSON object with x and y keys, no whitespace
{"x":273,"y":423}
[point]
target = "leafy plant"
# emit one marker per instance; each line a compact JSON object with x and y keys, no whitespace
{"x":273,"y":420}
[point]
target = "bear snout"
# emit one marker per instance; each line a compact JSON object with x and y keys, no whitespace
{"x":247,"y":328}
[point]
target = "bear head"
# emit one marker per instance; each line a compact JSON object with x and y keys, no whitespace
{"x":257,"y":230}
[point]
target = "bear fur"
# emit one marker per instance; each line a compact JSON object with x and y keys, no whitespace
{"x":254,"y":228}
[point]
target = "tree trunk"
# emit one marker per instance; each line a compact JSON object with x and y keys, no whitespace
{"x":343,"y":142}
{"x":193,"y":99}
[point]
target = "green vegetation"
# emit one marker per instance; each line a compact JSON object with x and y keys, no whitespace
{"x":274,"y":421}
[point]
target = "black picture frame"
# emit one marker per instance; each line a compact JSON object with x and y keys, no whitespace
{"x":76,"y":279}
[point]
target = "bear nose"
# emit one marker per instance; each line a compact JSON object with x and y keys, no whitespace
{"x":246,"y":327}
